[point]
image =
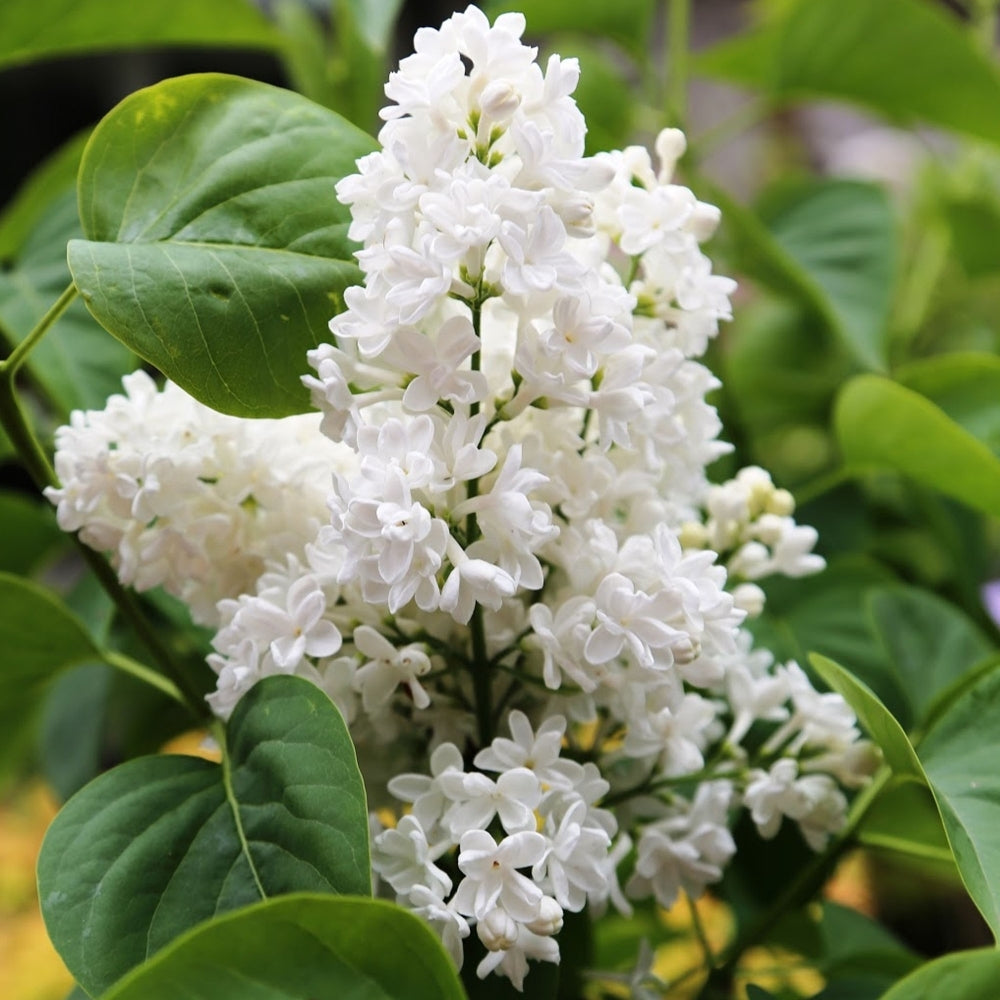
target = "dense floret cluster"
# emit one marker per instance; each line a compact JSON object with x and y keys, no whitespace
{"x":521,"y":590}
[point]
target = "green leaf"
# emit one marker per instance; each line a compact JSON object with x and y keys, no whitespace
{"x":841,"y":235}
{"x":150,"y":849}
{"x":963,"y":975}
{"x":975,"y":231}
{"x":216,"y":248}
{"x":77,"y":363}
{"x":966,"y":385}
{"x":374,"y":20}
{"x":874,"y":717}
{"x":72,"y":728}
{"x":50,"y":179}
{"x":28,"y":533}
{"x":860,"y":951}
{"x":41,"y":29}
{"x":39,"y":638}
{"x":905,"y":818}
{"x":931,"y":643}
{"x":883,"y":425}
{"x":301,"y":946}
{"x":905,"y":59}
{"x":830,"y":245}
{"x":628,"y":22}
{"x":959,"y":755}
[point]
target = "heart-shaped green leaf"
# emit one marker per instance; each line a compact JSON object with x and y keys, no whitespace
{"x":157,"y":845}
{"x":963,"y":975}
{"x":959,"y":755}
{"x":38,"y":29}
{"x":320,"y":947}
{"x":966,"y":385}
{"x":216,"y":248}
{"x":39,"y":637}
{"x":882,"y":425}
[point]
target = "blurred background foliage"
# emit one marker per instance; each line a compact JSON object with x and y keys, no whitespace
{"x":854,"y":147}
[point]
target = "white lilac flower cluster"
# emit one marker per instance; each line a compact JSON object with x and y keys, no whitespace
{"x":188,"y":499}
{"x":520,"y":536}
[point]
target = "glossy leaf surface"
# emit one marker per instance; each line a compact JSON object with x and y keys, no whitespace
{"x":883,"y":425}
{"x":216,"y":248}
{"x":320,"y":947}
{"x":960,"y":757}
{"x":158,"y":844}
{"x":39,"y":29}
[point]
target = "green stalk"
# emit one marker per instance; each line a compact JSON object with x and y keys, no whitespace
{"x":677,"y":54}
{"x":141,"y":672}
{"x":482,"y":686}
{"x":17,"y":357}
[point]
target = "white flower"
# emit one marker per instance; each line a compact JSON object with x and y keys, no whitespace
{"x":387,"y":668}
{"x":574,"y":866}
{"x":477,"y":799}
{"x":425,"y":792}
{"x":538,"y":751}
{"x":492,"y":878}
{"x":402,"y":856}
{"x":474,"y":581}
{"x":512,"y":527}
{"x":450,"y":925}
{"x":513,"y":961}
{"x":437,"y":366}
{"x":628,"y":619}
{"x":675,"y":735}
{"x":289,"y":622}
{"x":498,"y":930}
{"x":393,"y":546}
{"x":813,"y":801}
{"x":686,"y":851}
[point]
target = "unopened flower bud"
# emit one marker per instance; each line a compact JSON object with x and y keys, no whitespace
{"x":782,"y":503}
{"x":704,"y":221}
{"x":749,"y":597}
{"x":549,"y":920}
{"x":692,"y":535}
{"x":497,"y":930}
{"x":686,"y":649}
{"x":499,"y":100}
{"x":670,"y":147}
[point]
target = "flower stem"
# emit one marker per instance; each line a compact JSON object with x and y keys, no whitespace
{"x":482,"y":679}
{"x":699,"y":931}
{"x":17,"y":357}
{"x":140,"y":671}
{"x":678,"y":41}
